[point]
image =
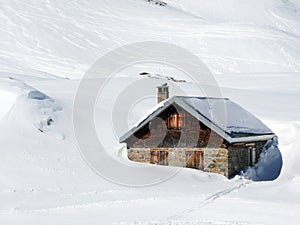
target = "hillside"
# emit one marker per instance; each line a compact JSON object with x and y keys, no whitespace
{"x":252,"y":48}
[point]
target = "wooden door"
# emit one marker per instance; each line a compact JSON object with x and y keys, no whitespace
{"x":163,"y":158}
{"x":198,"y":158}
{"x":194,"y":159}
{"x":153,"y":158}
{"x":190,"y":161}
{"x":159,"y":156}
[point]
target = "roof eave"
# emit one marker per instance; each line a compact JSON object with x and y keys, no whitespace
{"x":252,"y":138}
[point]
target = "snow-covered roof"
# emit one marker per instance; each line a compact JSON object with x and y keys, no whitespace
{"x":226,"y":118}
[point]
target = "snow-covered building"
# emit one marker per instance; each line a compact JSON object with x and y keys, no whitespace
{"x":211,"y":134}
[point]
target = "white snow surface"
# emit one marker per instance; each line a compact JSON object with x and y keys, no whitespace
{"x":7,"y":100}
{"x":50,"y":37}
{"x":252,"y":46}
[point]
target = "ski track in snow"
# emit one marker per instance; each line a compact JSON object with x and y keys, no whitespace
{"x":208,"y":200}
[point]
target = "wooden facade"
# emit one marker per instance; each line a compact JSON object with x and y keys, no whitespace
{"x":175,"y":128}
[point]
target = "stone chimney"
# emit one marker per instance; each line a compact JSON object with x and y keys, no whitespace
{"x":163,"y":92}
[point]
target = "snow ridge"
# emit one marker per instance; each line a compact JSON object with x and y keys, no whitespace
{"x":34,"y":106}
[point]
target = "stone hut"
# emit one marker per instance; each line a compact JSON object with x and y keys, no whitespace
{"x":210,"y":134}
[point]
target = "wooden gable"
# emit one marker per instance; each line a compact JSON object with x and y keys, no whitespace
{"x":173,"y":127}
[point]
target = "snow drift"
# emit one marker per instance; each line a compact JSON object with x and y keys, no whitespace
{"x":269,"y":164}
{"x":7,"y":100}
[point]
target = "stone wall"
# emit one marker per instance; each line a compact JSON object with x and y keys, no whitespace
{"x":139,"y":154}
{"x":216,"y":160}
{"x":227,"y":162}
{"x":239,"y":156}
{"x":177,"y":157}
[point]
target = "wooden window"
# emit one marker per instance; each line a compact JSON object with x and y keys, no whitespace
{"x":163,"y":158}
{"x":194,"y":159}
{"x":202,"y":126}
{"x":176,"y":121}
{"x":154,"y":158}
{"x":159,"y":157}
{"x":252,"y":156}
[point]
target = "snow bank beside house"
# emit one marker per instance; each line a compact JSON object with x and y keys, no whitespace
{"x":289,"y":145}
{"x":269,"y":164}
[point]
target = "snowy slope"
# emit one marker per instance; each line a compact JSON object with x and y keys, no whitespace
{"x":252,"y":45}
{"x":66,"y":38}
{"x":44,"y":176}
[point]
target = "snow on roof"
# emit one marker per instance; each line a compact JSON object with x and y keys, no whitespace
{"x":228,"y":119}
{"x":235,"y":120}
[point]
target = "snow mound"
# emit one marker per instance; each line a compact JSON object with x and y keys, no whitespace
{"x":269,"y":164}
{"x":37,"y":95}
{"x":290,"y":148}
{"x":33,"y":108}
{"x":7,"y":100}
